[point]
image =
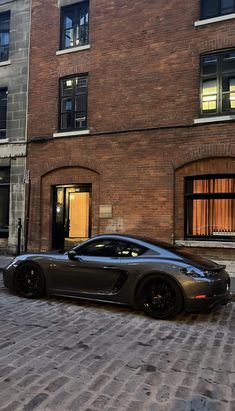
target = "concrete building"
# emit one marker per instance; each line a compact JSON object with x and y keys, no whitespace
{"x":14,"y":41}
{"x":131,"y":122}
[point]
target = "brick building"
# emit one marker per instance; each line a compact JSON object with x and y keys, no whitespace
{"x":131,"y":122}
{"x":14,"y":39}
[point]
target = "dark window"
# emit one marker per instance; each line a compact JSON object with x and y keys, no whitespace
{"x":74,"y":25}
{"x":3,"y":112}
{"x":210,"y":207}
{"x":218,"y":83}
{"x":112,"y":248}
{"x":214,"y":8}
{"x":4,"y":201}
{"x":73,"y":103}
{"x":4,"y":35}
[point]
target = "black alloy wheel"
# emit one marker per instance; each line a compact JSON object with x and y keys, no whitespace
{"x":29,"y":280}
{"x":160,"y":297}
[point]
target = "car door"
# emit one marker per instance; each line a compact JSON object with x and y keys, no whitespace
{"x":95,"y":268}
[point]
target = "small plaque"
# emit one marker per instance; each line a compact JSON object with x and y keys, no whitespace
{"x":106,"y":211}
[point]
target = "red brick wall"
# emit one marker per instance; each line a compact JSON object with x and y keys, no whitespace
{"x":143,"y":68}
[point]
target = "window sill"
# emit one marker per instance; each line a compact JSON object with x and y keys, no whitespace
{"x":4,"y":140}
{"x":72,"y":133}
{"x":206,"y":243}
{"x":5,"y":63}
{"x":214,"y":20}
{"x":213,"y":119}
{"x":73,"y":49}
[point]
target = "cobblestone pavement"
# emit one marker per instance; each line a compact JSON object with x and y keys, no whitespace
{"x":64,"y":354}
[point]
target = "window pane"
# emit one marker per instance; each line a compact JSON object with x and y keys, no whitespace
{"x":228,"y":62}
{"x":80,"y":120}
{"x":4,"y":208}
{"x":213,"y":185}
{"x":229,"y":93}
{"x":67,"y":87}
{"x":209,"y":95}
{"x":210,"y":8}
{"x":81,"y":84}
{"x":66,"y":121}
{"x":209,"y":65}
{"x":213,"y":217}
{"x":4,"y":175}
{"x":4,"y":35}
{"x":227,"y":6}
{"x":67,"y":105}
{"x":68,"y":38}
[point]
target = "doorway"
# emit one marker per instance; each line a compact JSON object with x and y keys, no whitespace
{"x":71,"y":215}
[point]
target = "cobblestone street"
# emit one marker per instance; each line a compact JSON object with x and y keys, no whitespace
{"x":64,"y":354}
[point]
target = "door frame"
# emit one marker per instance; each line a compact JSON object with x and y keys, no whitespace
{"x":65,"y":209}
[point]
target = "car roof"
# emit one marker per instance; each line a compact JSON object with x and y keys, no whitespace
{"x":148,"y":240}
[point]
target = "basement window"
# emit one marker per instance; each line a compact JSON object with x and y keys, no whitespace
{"x":210,"y":207}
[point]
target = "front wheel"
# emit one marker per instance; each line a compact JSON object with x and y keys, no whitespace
{"x":160,"y":297}
{"x":29,"y":280}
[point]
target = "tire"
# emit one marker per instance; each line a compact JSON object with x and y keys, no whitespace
{"x":29,"y":280}
{"x":160,"y":297}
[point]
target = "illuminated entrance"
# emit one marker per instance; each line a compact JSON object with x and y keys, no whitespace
{"x":71,"y":215}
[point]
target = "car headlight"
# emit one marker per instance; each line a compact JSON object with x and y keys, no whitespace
{"x":193,"y":272}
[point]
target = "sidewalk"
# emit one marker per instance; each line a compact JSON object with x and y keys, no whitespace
{"x":5,"y":260}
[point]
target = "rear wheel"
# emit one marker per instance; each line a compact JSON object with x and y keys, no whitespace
{"x":29,"y":280}
{"x":160,"y":297}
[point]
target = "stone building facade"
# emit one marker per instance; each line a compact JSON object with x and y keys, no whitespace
{"x":131,"y":123}
{"x":14,"y":41}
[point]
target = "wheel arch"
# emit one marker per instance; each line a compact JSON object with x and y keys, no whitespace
{"x":31,"y":261}
{"x":152,"y":274}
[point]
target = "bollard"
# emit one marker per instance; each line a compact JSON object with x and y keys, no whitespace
{"x":19,"y":227}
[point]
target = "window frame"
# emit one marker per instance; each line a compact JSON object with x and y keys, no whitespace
{"x":76,"y":7}
{"x":73,"y":111}
{"x":219,"y":84}
{"x":4,"y":233}
{"x":3,"y":130}
{"x":203,"y":17}
{"x":6,"y":14}
{"x":201,"y":196}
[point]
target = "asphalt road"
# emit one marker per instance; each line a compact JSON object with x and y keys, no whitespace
{"x":64,"y":354}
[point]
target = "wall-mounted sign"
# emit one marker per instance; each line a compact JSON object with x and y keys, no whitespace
{"x":105,"y":211}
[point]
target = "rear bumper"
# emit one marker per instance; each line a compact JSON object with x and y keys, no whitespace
{"x":206,"y":304}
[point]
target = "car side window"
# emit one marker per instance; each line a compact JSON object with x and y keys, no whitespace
{"x":112,"y":248}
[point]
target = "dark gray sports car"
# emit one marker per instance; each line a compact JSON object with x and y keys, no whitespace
{"x":154,"y":276}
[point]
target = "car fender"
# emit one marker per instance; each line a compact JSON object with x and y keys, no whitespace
{"x":142,"y":277}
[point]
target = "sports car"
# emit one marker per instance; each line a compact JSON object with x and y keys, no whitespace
{"x":151,"y":275}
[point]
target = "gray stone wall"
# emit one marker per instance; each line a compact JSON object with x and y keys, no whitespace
{"x":14,"y":76}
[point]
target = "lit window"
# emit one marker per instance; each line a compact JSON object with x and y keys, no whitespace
{"x":74,"y":25}
{"x":73,"y":103}
{"x":214,"y":8}
{"x":210,"y":207}
{"x":4,"y":201}
{"x":218,"y":83}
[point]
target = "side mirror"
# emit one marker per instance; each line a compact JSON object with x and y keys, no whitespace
{"x":72,"y":254}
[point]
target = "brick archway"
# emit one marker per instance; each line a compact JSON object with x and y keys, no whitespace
{"x":205,"y":151}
